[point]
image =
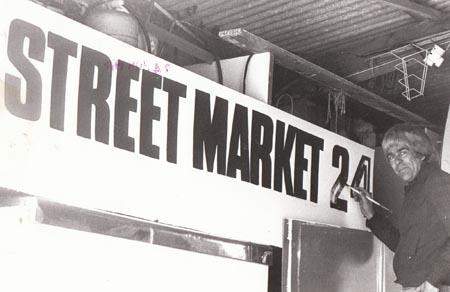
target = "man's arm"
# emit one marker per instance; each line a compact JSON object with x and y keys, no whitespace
{"x":440,"y":199}
{"x":440,"y":273}
{"x":384,"y":230}
{"x":378,"y":224}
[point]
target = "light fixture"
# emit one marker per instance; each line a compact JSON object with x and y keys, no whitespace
{"x":414,"y":71}
{"x":435,"y":56}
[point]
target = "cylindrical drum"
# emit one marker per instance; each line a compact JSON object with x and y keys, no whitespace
{"x":117,"y":24}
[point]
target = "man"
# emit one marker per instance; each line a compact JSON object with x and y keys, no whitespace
{"x":422,"y":240}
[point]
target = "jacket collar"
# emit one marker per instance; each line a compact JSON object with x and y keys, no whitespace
{"x":425,"y":170}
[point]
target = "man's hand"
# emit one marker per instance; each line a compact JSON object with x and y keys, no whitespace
{"x":364,"y":204}
{"x":427,"y":287}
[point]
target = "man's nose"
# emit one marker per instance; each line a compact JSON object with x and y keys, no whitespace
{"x":398,"y":159}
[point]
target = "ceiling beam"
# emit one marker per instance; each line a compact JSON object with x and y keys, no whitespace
{"x":415,"y":8}
{"x":248,"y":41}
{"x":180,"y":43}
{"x":355,"y":65}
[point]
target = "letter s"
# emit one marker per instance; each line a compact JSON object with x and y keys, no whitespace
{"x":31,"y":108}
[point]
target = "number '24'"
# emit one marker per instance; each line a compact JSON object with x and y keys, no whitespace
{"x":341,"y":160}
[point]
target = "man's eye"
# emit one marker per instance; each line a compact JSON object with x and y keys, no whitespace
{"x":390,"y":157}
{"x":404,"y":152}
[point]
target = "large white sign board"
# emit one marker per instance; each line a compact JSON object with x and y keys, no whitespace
{"x":88,"y":120}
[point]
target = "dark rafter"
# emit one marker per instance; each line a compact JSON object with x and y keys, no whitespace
{"x":355,"y":65}
{"x":414,"y":8}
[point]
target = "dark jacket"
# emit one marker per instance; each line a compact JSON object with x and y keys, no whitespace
{"x":422,"y":240}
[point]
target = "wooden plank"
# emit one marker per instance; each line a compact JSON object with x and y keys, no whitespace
{"x":178,"y":23}
{"x":180,"y":43}
{"x":415,"y":8}
{"x":251,"y":42}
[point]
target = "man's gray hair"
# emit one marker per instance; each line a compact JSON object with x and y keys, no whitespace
{"x":415,"y":136}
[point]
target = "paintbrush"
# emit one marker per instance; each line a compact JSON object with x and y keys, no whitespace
{"x":368,"y":198}
{"x":336,"y":190}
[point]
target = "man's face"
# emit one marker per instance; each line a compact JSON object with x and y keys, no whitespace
{"x":405,"y":163}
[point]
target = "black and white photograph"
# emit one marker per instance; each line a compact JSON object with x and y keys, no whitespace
{"x":225,"y":145}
